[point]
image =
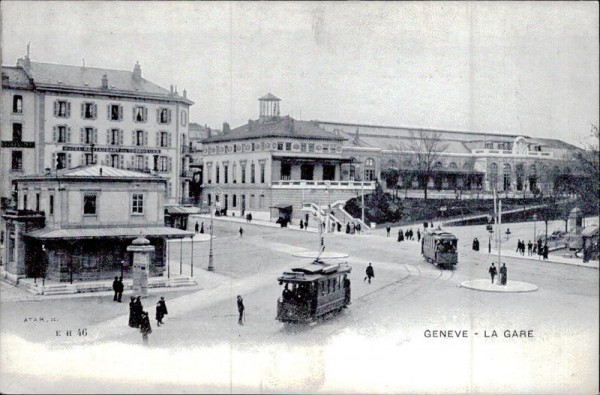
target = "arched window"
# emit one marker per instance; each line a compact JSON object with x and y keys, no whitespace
{"x":392,"y":164}
{"x":452,"y":165}
{"x":507,"y":170}
{"x":438,"y":165}
{"x":369,"y":169}
{"x":532,"y":177}
{"x":493,"y":174}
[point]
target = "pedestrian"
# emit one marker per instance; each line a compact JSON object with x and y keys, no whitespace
{"x":347,"y":290}
{"x":534,"y":252}
{"x":353,"y":228}
{"x":115,"y":286}
{"x":132,"y":313}
{"x":418,"y":235}
{"x":492,"y":270}
{"x":348,"y":228}
{"x":545,"y":253}
{"x":138,"y":310}
{"x":431,"y":225}
{"x":410,"y":234}
{"x":400,"y":235}
{"x":249,"y":217}
{"x":145,"y":327}
{"x":475,"y":246}
{"x":370,"y":273}
{"x":358,"y":228}
{"x":540,"y":247}
{"x":240,"y":305}
{"x":241,"y":232}
{"x":301,"y":224}
{"x":388,"y":230}
{"x":120,"y":288}
{"x":529,"y":247}
{"x":406,"y":235}
{"x":161,"y":311}
{"x":197,"y":227}
{"x":202,"y":228}
{"x":518,"y":245}
{"x":503,"y":274}
{"x":339,"y":227}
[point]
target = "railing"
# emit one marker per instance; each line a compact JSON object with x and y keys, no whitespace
{"x":509,"y":152}
{"x":305,"y":184}
{"x":24,"y":213}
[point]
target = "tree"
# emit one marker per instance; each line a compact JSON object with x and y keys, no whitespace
{"x":587,"y":162}
{"x":425,"y":148}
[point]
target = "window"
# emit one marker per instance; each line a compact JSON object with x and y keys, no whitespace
{"x":17,"y":132}
{"x":114,"y":160}
{"x":164,"y":139}
{"x":489,"y":145}
{"x":279,"y":146}
{"x":329,"y":172}
{"x":369,"y":169}
{"x":225,"y":174}
{"x":252,"y":173}
{"x":243,"y":167}
{"x":140,"y":114}
{"x":17,"y":161}
{"x":139,"y":138}
{"x":62,"y":109}
{"x":262,"y":173}
{"x":115,"y":137}
{"x":288,"y":146}
{"x":62,"y":134}
{"x":137,"y":206}
{"x":163,"y":164}
{"x":51,"y":205}
{"x":234,"y":201}
{"x":303,"y":147}
{"x":18,"y":104}
{"x":493,"y":174}
{"x":311,"y":147}
{"x":61,"y":161}
{"x":89,"y":159}
{"x":507,"y":171}
{"x":286,"y":171}
{"x":164,"y":116}
{"x":234,"y":172}
{"x":139,"y":162}
{"x":217,"y":174}
{"x":253,"y":147}
{"x":89,"y":204}
{"x":37,"y":202}
{"x":88,"y":111}
{"x":115,"y":112}
{"x":24,"y":201}
{"x":183,"y":118}
{"x":88,"y":136}
{"x":307,"y":171}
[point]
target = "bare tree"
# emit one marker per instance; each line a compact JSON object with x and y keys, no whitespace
{"x":587,"y":162}
{"x":424,"y":148}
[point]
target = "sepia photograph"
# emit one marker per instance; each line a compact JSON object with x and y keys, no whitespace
{"x":299,"y":197}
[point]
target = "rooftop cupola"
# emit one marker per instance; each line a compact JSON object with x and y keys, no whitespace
{"x":269,"y":107}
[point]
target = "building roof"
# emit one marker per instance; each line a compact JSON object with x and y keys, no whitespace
{"x":112,"y":232}
{"x":278,"y":127}
{"x":94,"y":172}
{"x":14,"y":77}
{"x":270,"y":96}
{"x":120,"y":82}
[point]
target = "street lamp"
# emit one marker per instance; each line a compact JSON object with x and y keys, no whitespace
{"x":122,"y":263}
{"x":534,"y":225}
{"x":192,"y":258}
{"x":181,"y":256}
{"x":211,"y":267}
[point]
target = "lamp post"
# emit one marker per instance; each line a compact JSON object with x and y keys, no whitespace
{"x":122,"y":263}
{"x":181,"y":256}
{"x":211,"y":267}
{"x":192,"y":258}
{"x":534,"y":226}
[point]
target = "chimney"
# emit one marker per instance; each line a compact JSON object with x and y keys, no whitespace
{"x":185,"y":93}
{"x":225,"y":128}
{"x":104,"y":81}
{"x":137,"y":72}
{"x":171,"y":88}
{"x":209,"y":134}
{"x":175,"y":88}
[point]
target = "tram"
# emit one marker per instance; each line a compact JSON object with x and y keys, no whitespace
{"x":313,"y":291}
{"x":440,"y":248}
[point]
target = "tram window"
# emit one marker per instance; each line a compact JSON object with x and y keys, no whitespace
{"x":447,"y":246}
{"x":328,"y":286}
{"x":334,"y":284}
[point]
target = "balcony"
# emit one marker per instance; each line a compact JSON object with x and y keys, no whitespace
{"x":321,"y":184}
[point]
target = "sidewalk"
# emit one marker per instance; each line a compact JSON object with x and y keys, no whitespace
{"x":551,"y":259}
{"x":253,"y":222}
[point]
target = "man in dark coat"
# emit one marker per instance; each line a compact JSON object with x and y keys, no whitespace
{"x":418,"y":235}
{"x":388,"y":230}
{"x":503,"y":274}
{"x":240,"y":305}
{"x":493,"y":271}
{"x":370,"y":273}
{"x":339,"y":227}
{"x":348,"y":228}
{"x":138,"y":310}
{"x":115,"y":288}
{"x":197,"y":227}
{"x":202,"y":228}
{"x":145,"y":327}
{"x":161,"y":311}
{"x":347,"y":290}
{"x":545,"y":252}
{"x":120,"y":288}
{"x":400,"y":235}
{"x":540,"y":247}
{"x":301,"y":224}
{"x":132,"y":313}
{"x":241,"y":232}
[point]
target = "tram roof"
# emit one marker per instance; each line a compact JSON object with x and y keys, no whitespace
{"x":441,"y":233}
{"x":314,"y":272}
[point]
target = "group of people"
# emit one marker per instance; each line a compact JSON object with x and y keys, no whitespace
{"x":249,"y":217}
{"x":407,"y":234}
{"x":118,"y":288}
{"x":352,"y":228}
{"x":503,"y":273}
{"x":540,"y":248}
{"x":199,"y":228}
{"x":138,"y":318}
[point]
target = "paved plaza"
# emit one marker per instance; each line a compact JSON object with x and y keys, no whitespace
{"x":411,"y":318}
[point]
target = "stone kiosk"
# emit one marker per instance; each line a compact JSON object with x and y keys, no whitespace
{"x":141,"y":249}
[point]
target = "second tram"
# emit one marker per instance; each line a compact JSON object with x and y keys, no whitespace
{"x":440,"y":248}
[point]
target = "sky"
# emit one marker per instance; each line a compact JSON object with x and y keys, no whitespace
{"x":510,"y":67}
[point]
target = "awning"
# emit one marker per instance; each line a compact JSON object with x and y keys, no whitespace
{"x":320,"y":158}
{"x":116,"y":232}
{"x":182,"y":210}
{"x":282,"y":206}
